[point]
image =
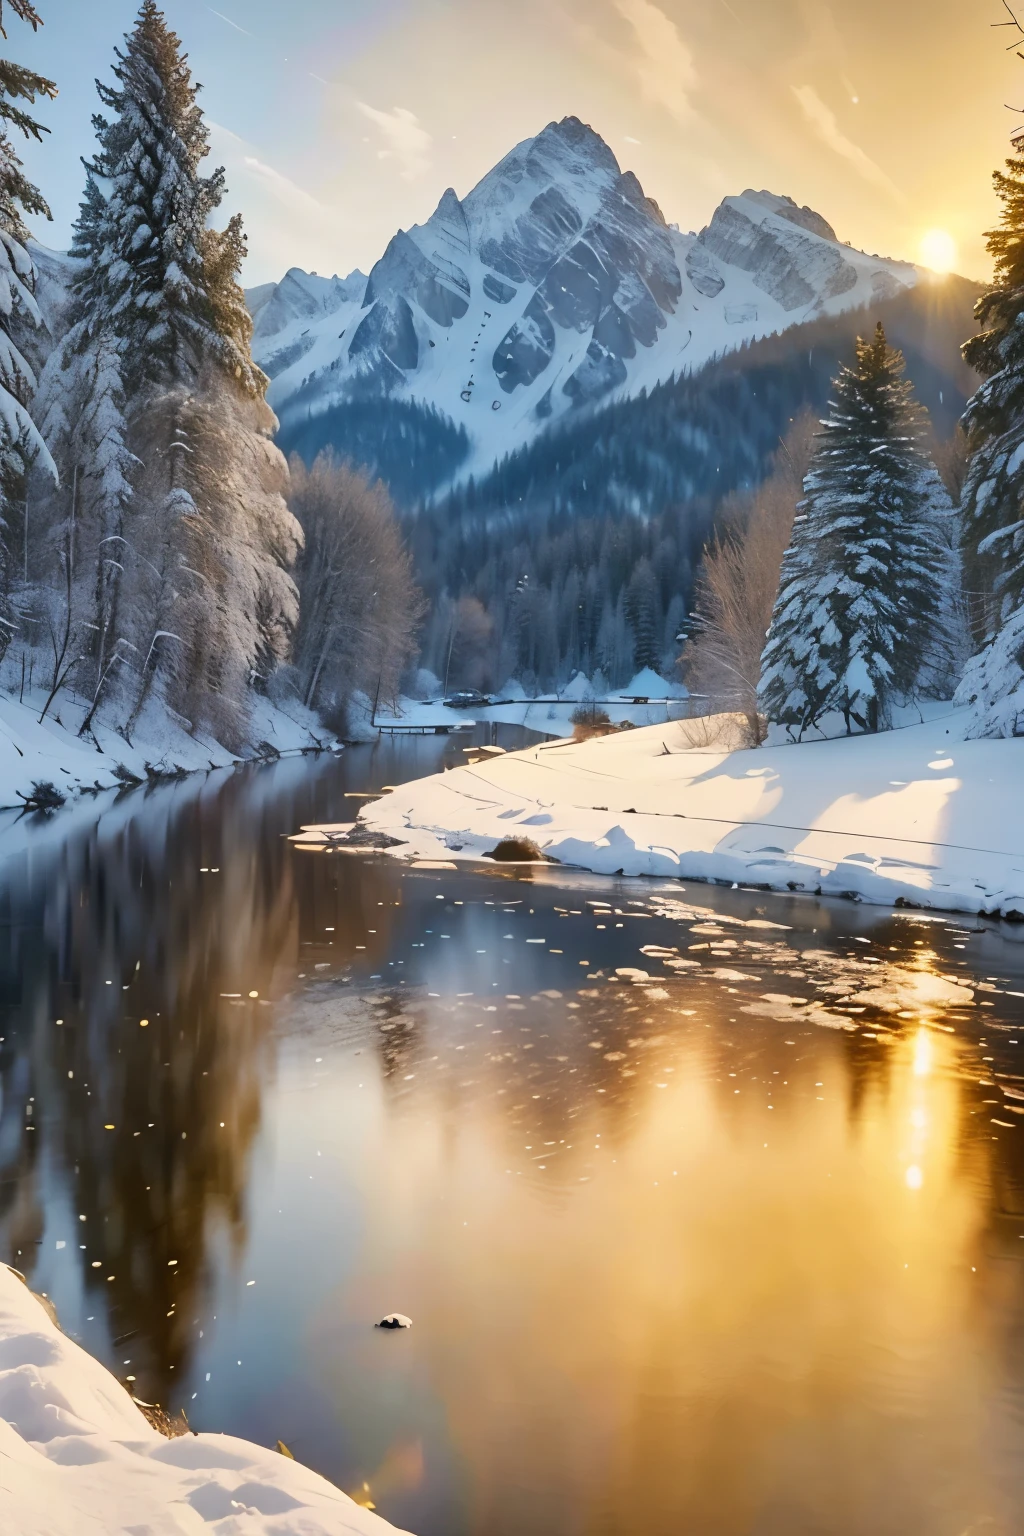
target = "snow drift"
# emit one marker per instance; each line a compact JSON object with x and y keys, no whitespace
{"x":79,"y":1458}
{"x":916,"y":816}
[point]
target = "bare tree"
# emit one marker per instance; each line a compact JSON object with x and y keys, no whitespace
{"x":739,"y":580}
{"x":359,"y":606}
{"x":951,"y":455}
{"x":469,"y":637}
{"x":978,"y":599}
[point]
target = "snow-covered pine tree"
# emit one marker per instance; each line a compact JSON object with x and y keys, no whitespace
{"x":149,"y":279}
{"x":993,"y":495}
{"x":215,"y":504}
{"x":21,"y":444}
{"x":861,"y":579}
{"x":81,"y":408}
{"x":82,"y":415}
{"x":200,"y":597}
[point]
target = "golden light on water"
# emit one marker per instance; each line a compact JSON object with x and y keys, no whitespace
{"x":736,"y":1251}
{"x":922,"y":1053}
{"x":938,"y":250}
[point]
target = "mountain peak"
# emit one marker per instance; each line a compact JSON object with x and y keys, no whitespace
{"x":449,"y":209}
{"x":555,"y":283}
{"x":579,"y":136}
{"x":785,"y":208}
{"x":575,"y":142}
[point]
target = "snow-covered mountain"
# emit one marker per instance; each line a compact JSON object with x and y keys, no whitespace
{"x":554,"y":284}
{"x":285,"y":313}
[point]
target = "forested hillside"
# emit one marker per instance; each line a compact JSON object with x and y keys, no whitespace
{"x":414,"y":449}
{"x":580,"y":551}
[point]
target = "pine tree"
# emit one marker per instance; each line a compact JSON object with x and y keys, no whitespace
{"x":21,"y":444}
{"x":860,"y":581}
{"x":87,"y":234}
{"x":81,"y":400}
{"x":642,"y":610}
{"x":82,"y":411}
{"x":154,"y":277}
{"x":993,"y":495}
{"x":174,"y":504}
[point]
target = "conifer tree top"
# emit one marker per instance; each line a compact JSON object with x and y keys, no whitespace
{"x":17,"y":193}
{"x":20,"y":442}
{"x":872,"y":400}
{"x":996,"y":311}
{"x":155,"y":272}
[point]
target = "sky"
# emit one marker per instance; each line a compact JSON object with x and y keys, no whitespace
{"x":341,"y":121}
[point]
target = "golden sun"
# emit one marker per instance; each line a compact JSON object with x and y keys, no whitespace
{"x":938,"y":250}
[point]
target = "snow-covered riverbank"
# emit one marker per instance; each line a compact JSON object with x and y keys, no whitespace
{"x":77,"y":1458}
{"x":916,"y":815}
{"x":50,"y":750}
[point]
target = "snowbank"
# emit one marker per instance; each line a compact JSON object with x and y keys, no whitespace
{"x":79,"y":1459}
{"x":915,"y":815}
{"x":51,"y":750}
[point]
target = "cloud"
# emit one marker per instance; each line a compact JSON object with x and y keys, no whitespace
{"x":285,"y":222}
{"x":283,"y":189}
{"x":406,"y":140}
{"x":664,"y":63}
{"x":823,"y":120}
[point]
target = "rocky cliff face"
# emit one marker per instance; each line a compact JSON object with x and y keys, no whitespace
{"x":554,"y":283}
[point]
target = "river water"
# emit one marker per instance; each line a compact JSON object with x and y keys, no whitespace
{"x":730,"y":1243}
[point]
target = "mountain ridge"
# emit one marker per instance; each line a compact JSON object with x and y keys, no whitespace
{"x":555,"y":284}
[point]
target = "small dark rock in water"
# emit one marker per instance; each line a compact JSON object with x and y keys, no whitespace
{"x":395,"y":1320}
{"x":516,"y":850}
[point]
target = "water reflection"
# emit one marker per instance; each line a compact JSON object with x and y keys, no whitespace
{"x":139,"y":954}
{"x":707,"y":1207}
{"x":146,"y":1069}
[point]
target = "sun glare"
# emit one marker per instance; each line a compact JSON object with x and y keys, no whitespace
{"x":938,"y":250}
{"x":922,"y":1053}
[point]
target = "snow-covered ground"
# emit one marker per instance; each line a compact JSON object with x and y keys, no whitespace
{"x":51,"y":750}
{"x":916,"y":815}
{"x":77,"y":1458}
